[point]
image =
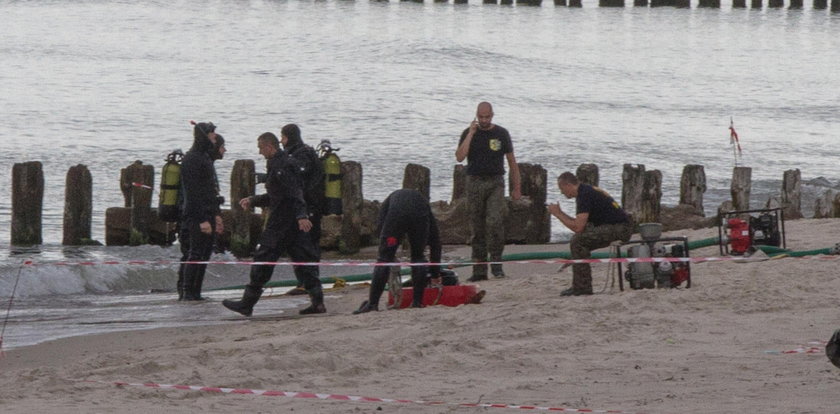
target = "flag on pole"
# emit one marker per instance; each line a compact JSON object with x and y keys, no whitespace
{"x":733,"y":136}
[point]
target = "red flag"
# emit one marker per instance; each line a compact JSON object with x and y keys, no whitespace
{"x":733,"y":136}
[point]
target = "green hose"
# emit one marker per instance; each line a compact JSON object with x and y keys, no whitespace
{"x":711,"y":241}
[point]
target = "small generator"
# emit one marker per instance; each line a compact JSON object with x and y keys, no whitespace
{"x":740,"y":230}
{"x":653,"y":274}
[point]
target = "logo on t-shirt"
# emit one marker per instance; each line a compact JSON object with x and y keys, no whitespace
{"x":495,"y":144}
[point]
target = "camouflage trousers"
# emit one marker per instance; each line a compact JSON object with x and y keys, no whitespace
{"x":593,"y":237}
{"x":487,"y":209}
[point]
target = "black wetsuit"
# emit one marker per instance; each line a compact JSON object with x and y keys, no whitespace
{"x":311,"y":171}
{"x":281,"y":233}
{"x":201,"y":204}
{"x":406,"y":212}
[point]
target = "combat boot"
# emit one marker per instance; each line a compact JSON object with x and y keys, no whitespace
{"x":245,"y":306}
{"x":316,"y":295}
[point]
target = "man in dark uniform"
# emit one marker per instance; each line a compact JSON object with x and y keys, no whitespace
{"x":311,"y":170}
{"x":405,"y":212}
{"x":485,"y":146}
{"x":599,"y":220}
{"x":287,"y":230}
{"x":201,"y":217}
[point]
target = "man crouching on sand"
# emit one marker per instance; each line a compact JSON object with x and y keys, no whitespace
{"x":599,"y":220}
{"x":287,"y":229}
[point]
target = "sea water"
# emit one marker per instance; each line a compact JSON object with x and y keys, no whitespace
{"x":106,"y":82}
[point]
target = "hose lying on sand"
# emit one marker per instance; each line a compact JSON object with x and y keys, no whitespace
{"x":771,"y":251}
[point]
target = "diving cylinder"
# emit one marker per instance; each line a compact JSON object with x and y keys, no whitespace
{"x":332,"y":191}
{"x":170,"y":184}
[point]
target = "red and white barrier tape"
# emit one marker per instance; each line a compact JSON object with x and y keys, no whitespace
{"x":406,"y":264}
{"x":141,"y":185}
{"x":348,"y":398}
{"x":813,"y":347}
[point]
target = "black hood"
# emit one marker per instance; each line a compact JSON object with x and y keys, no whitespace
{"x":201,"y":142}
{"x":292,"y":134}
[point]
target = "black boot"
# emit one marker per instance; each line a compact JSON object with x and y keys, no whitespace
{"x":193,"y":292}
{"x":317,"y":306}
{"x":246,"y":305}
{"x":365,"y":308}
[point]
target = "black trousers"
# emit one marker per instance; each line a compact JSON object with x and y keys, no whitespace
{"x":300,"y":248}
{"x":393,"y":229}
{"x":198,"y":248}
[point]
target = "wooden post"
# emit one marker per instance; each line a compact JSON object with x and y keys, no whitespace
{"x":575,"y":3}
{"x":560,"y":3}
{"x":640,"y":3}
{"x":651,"y":198}
{"x":739,"y":4}
{"x":27,"y":202}
{"x":529,"y":2}
{"x":663,"y":3}
{"x":775,"y":4}
{"x":138,"y":180}
{"x":820,"y":4}
{"x":795,"y":4}
{"x":755,"y":4}
{"x":534,"y":182}
{"x":78,"y":206}
{"x":351,"y":198}
{"x":243,"y":184}
{"x":506,"y":2}
{"x":741,"y":187}
{"x":682,"y":4}
{"x":610,"y":3}
{"x":417,"y":177}
{"x":459,"y":182}
{"x":692,"y":187}
{"x":715,"y":4}
{"x":792,"y":194}
{"x":835,"y":5}
{"x":633,"y":184}
{"x":824,"y":205}
{"x":588,"y":174}
{"x":489,"y":1}
{"x":461,"y":1}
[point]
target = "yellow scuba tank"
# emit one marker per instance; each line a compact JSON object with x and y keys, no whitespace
{"x":169,"y":208}
{"x":332,"y":177}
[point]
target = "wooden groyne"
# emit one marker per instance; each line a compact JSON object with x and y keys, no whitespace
{"x":834,"y":5}
{"x":528,"y":220}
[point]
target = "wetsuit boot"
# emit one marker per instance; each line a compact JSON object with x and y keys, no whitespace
{"x":244,"y":306}
{"x":316,"y":295}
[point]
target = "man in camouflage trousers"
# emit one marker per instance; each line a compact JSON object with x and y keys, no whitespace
{"x":599,"y":220}
{"x":486,"y":146}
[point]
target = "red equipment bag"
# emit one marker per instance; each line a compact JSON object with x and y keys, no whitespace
{"x":444,"y":295}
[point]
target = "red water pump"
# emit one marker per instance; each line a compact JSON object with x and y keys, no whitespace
{"x":739,"y":235}
{"x":741,"y":230}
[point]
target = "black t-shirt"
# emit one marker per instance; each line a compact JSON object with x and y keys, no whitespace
{"x":602,"y":208}
{"x":487,"y":151}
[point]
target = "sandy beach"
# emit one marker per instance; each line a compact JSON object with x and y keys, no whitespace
{"x":716,"y":347}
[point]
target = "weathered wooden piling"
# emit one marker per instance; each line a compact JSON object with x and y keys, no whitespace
{"x":640,"y":3}
{"x":353,"y":202}
{"x":243,"y":184}
{"x":775,"y":4}
{"x":537,"y":221}
{"x":560,"y":3}
{"x":78,"y":206}
{"x":835,"y":5}
{"x":610,"y":3}
{"x":739,"y":4}
{"x":795,"y":4}
{"x":530,"y":2}
{"x":756,"y":4}
{"x":820,"y":4}
{"x":692,"y":187}
{"x":575,"y":3}
{"x":792,"y":194}
{"x":417,"y":177}
{"x":663,"y":3}
{"x":27,"y":203}
{"x":709,"y":4}
{"x":489,"y":1}
{"x":588,"y":174}
{"x":651,"y":198}
{"x":632,"y":189}
{"x":741,"y":187}
{"x":459,"y":182}
{"x":506,"y":2}
{"x":137,"y":181}
{"x":461,"y":1}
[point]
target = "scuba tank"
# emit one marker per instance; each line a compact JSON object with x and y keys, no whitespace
{"x":332,"y":177}
{"x":169,"y":208}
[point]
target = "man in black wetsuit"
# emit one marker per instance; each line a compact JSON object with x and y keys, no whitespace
{"x":287,"y":230}
{"x":200,"y":217}
{"x":311,"y":171}
{"x":405,"y":212}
